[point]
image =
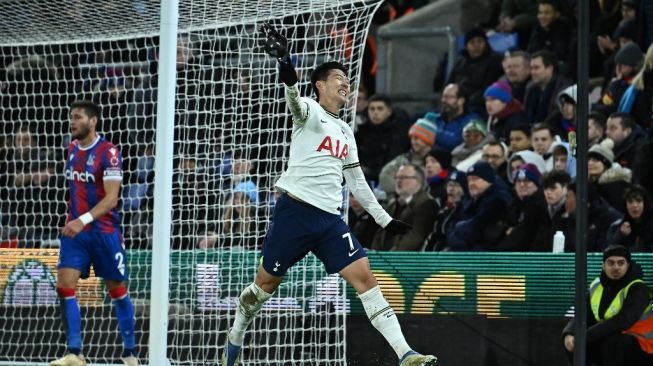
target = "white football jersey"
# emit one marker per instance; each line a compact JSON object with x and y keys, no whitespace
{"x":322,"y":145}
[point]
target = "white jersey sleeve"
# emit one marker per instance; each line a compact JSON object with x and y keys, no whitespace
{"x":358,"y":186}
{"x":320,"y":146}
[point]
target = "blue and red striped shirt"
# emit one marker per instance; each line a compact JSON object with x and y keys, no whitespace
{"x":86,"y":170}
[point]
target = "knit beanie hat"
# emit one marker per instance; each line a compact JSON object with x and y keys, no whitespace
{"x":424,"y":130}
{"x":499,"y":90}
{"x":616,"y":250}
{"x":460,"y":178}
{"x":627,"y":29}
{"x":528,"y":171}
{"x":442,"y":156}
{"x":483,"y":170}
{"x":476,"y":125}
{"x":249,"y":189}
{"x":603,"y":152}
{"x":476,"y":32}
{"x":630,"y":55}
{"x":631,"y":3}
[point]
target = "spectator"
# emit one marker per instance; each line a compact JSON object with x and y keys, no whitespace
{"x":600,"y":215}
{"x":524,"y":212}
{"x":618,"y":314}
{"x":517,"y":72}
{"x":596,"y":124}
{"x":645,"y":22}
{"x":422,"y":137}
{"x":543,"y":141}
{"x":642,"y":172}
{"x":555,"y":185}
{"x":637,"y":100}
{"x":552,"y":32}
{"x":518,"y":16}
{"x":496,"y":153}
{"x":478,"y":67}
{"x":383,"y":137}
{"x":627,"y":136}
{"x":412,"y":205}
{"x":609,"y":179}
{"x":452,"y":118}
{"x":242,"y":225}
{"x":362,"y":103}
{"x":522,"y":157}
{"x":634,"y":230}
{"x":520,"y":138}
{"x":564,"y":160}
{"x":449,"y":214}
{"x":625,"y":34}
{"x":476,"y":230}
{"x":437,"y":166}
{"x":469,"y":152}
{"x":545,"y":85}
{"x":628,"y":61}
{"x":187,"y":183}
{"x":504,"y":111}
{"x":360,"y":222}
{"x":34,"y":206}
{"x":563,"y":120}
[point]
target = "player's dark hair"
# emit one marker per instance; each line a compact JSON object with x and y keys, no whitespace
{"x":321,"y":73}
{"x":91,"y":109}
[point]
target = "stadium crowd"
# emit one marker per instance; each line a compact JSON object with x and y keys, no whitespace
{"x":491,"y":167}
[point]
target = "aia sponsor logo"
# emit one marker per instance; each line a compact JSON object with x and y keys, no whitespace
{"x":338,"y":150}
{"x":84,"y":177}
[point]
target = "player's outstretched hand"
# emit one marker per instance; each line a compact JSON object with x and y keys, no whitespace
{"x":397,"y":227}
{"x":276,"y":45}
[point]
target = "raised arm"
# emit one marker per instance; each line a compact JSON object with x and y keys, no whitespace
{"x":276,"y":46}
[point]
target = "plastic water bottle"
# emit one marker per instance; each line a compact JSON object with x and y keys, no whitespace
{"x":559,"y":242}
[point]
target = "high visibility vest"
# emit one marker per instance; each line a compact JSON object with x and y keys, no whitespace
{"x":642,"y":329}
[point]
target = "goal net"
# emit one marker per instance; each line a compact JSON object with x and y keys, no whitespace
{"x":231,"y":135}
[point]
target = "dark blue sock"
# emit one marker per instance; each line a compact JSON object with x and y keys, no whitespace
{"x":73,"y":323}
{"x":125,"y":316}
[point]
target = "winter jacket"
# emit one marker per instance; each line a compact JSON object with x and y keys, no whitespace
{"x":378,"y":144}
{"x":611,"y":185}
{"x":523,"y":216}
{"x":450,"y":133}
{"x":479,"y":218}
{"x":419,"y":212}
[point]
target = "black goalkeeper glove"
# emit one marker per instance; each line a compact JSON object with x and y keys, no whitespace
{"x":397,"y":227}
{"x":276,"y":46}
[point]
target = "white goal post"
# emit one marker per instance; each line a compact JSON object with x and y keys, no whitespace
{"x":196,"y":203}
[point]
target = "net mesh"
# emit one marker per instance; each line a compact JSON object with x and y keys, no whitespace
{"x":232,"y":131}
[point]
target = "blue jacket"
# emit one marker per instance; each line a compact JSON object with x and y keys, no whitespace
{"x":450,"y":134}
{"x":478,"y":218}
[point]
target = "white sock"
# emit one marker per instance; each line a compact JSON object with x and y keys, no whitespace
{"x":242,"y":321}
{"x":383,"y":318}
